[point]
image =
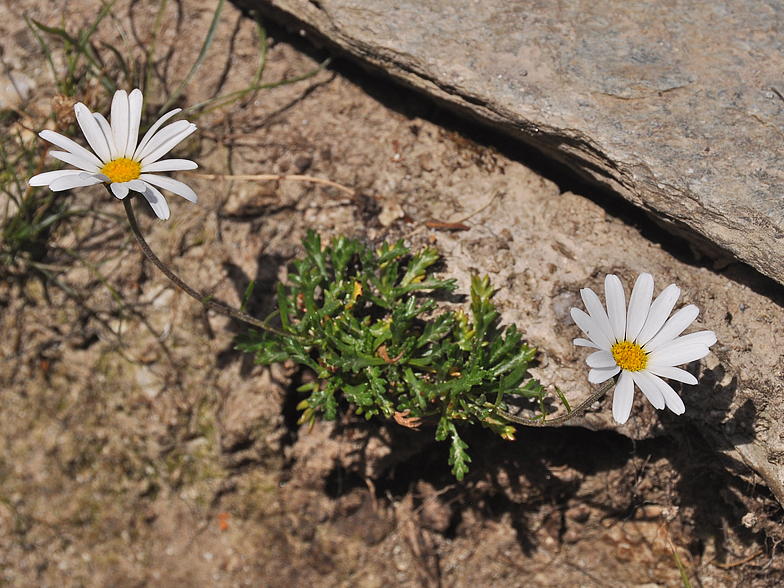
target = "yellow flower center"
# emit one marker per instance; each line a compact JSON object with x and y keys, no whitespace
{"x":629,"y":356}
{"x":122,"y":170}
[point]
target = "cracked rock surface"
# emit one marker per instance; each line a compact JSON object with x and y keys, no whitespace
{"x":674,"y":106}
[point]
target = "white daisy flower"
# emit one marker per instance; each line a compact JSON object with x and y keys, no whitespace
{"x":118,"y":161}
{"x":641,"y":344}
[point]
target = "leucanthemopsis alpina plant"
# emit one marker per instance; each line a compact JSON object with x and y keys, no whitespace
{"x":119,"y":160}
{"x":368,"y":325}
{"x":360,"y":319}
{"x":640,"y":343}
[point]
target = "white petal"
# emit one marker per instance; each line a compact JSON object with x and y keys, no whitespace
{"x":92,"y":132}
{"x":639,"y":305}
{"x":119,"y":189}
{"x":599,"y":375}
{"x":595,"y":309}
{"x":165,"y":141}
{"x":660,"y":310}
{"x":601,"y":359}
{"x":121,"y":121}
{"x":47,"y":178}
{"x":75,"y":160}
{"x":674,"y":373}
{"x":676,"y":324}
{"x":678,"y":355}
{"x":674,"y":402}
{"x":590,"y":328}
{"x":616,"y":305}
{"x":707,"y":338}
{"x":623,"y":398}
{"x":79,"y":180}
{"x":171,"y":185}
{"x":585,"y":343}
{"x":70,"y":146}
{"x":157,"y":202}
{"x":650,"y":388}
{"x":167,"y":165}
{"x":106,"y":129}
{"x":149,"y":134}
{"x":137,"y":186}
{"x":135,"y":101}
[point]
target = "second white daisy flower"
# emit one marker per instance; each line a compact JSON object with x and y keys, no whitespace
{"x":641,"y":344}
{"x":117,"y":159}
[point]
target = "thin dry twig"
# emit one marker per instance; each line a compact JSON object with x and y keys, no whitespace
{"x":490,"y":200}
{"x":273,"y":178}
{"x":457,"y":224}
{"x":735,"y":564}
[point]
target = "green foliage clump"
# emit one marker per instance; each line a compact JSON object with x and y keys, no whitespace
{"x":366,"y":323}
{"x":26,"y":216}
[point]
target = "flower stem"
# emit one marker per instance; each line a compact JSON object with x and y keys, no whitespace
{"x":204,"y":300}
{"x":542,"y":422}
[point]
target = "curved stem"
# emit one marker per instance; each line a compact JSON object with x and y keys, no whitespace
{"x":204,"y":300}
{"x":542,"y":422}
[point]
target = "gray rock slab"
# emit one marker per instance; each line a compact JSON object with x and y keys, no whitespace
{"x":673,"y":105}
